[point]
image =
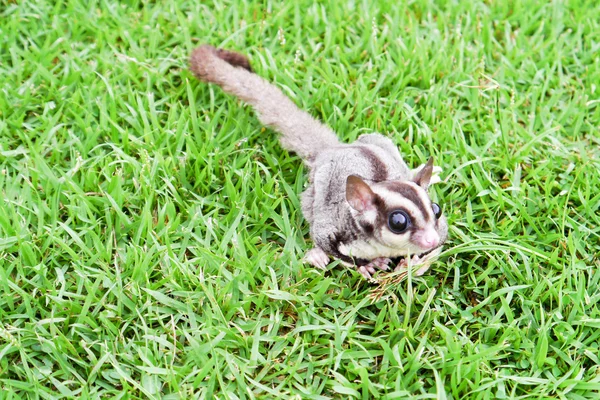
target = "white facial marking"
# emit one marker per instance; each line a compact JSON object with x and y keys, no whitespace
{"x":369,"y":215}
{"x":393,"y":198}
{"x":386,"y":243}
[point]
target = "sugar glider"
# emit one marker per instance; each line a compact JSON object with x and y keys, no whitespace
{"x":364,"y":205}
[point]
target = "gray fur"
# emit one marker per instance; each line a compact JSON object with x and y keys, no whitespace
{"x":300,"y":132}
{"x":357,"y":236}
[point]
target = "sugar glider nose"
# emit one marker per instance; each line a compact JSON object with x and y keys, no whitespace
{"x":431,"y":241}
{"x":427,"y":239}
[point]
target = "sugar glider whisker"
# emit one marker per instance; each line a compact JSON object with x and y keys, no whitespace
{"x":365,"y":206}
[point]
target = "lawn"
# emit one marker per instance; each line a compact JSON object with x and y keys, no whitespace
{"x":151,"y":238}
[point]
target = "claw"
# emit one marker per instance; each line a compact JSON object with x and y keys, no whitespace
{"x":364,"y":272}
{"x":401,"y":265}
{"x":423,"y":263}
{"x":380,"y":264}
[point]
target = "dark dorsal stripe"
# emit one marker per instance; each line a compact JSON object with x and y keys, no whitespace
{"x":379,"y":168}
{"x":410,"y":193}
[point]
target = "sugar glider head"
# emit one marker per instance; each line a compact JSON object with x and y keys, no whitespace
{"x":396,"y":217}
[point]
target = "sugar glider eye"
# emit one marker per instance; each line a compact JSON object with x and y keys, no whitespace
{"x":398,"y":221}
{"x":437,"y":211}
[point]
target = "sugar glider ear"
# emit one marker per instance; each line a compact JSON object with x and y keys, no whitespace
{"x":423,"y":175}
{"x":358,"y":194}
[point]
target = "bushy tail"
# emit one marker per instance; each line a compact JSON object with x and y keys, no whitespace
{"x":300,"y":132}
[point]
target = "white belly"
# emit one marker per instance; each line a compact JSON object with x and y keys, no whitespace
{"x":371,"y":250}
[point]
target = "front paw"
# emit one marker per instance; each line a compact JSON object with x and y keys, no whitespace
{"x":405,"y":262}
{"x":317,"y":258}
{"x":419,"y":264}
{"x":369,"y":269}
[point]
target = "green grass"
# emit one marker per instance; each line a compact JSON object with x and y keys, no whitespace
{"x":150,"y":230}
